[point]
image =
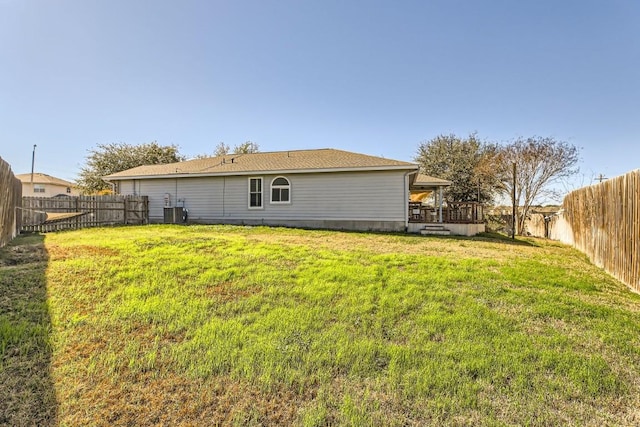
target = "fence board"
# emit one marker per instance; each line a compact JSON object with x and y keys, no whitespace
{"x":10,"y":195}
{"x":605,"y":224}
{"x":98,"y":211}
{"x":603,"y":221}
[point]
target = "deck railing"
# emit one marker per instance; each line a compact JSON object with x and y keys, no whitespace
{"x":460,"y":213}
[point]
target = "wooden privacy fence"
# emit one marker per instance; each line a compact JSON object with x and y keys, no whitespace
{"x":46,"y":214}
{"x":10,"y":195}
{"x":604,"y":221}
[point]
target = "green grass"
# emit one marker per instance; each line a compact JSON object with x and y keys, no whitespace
{"x":256,"y":326}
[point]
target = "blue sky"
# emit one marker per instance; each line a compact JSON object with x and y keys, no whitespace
{"x":376,"y":77}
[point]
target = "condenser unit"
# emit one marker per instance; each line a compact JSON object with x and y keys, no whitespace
{"x":173,"y":215}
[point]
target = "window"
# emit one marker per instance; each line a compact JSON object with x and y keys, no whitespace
{"x":280,"y":190}
{"x":255,"y":193}
{"x":68,"y":190}
{"x":38,"y":188}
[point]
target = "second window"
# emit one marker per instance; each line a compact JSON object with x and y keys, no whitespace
{"x":280,"y":190}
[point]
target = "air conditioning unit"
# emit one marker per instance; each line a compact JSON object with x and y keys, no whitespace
{"x":173,"y":215}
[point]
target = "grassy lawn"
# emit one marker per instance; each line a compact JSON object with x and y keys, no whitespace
{"x":220,"y":325}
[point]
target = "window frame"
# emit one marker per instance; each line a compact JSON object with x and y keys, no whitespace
{"x":280,"y":187}
{"x":261,"y":192}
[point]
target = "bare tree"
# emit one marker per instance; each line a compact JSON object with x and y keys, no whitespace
{"x":247,"y":147}
{"x":540,"y":163}
{"x":223,"y":149}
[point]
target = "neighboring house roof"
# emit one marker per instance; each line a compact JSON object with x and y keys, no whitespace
{"x":299,"y":161}
{"x":429,"y":181}
{"x":43,"y":178}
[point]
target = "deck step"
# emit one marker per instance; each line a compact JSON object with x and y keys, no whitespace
{"x":435,"y":230}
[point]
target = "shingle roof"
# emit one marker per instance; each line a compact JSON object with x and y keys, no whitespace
{"x":278,"y":161}
{"x":426,"y":180}
{"x":43,"y":178}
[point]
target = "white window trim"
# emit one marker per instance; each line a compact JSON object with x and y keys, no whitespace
{"x":261,"y":192}
{"x":288,"y":187}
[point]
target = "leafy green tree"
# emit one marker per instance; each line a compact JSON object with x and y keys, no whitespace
{"x":540,"y":163}
{"x":463,"y":161}
{"x":115,"y":157}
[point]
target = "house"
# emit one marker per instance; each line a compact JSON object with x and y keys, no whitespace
{"x":324,"y":188}
{"x":43,"y":185}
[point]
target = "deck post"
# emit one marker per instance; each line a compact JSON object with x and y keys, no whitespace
{"x":440,"y":204}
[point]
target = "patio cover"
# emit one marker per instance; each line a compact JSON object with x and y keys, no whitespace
{"x":423,"y":186}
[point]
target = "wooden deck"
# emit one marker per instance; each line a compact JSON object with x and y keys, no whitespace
{"x":454,"y":213}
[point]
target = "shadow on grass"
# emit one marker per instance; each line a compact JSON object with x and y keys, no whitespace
{"x":491,"y":237}
{"x":27,"y":394}
{"x":501,"y":238}
{"x":482,"y":237}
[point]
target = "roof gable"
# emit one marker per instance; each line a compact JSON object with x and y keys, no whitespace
{"x":43,"y":178}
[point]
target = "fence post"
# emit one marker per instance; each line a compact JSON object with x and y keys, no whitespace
{"x":124,"y":218}
{"x":513,"y":211}
{"x":77,"y":219}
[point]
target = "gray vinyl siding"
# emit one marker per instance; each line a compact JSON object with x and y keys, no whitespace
{"x":355,"y":196}
{"x":126,"y":188}
{"x":341,"y":196}
{"x":131,"y":187}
